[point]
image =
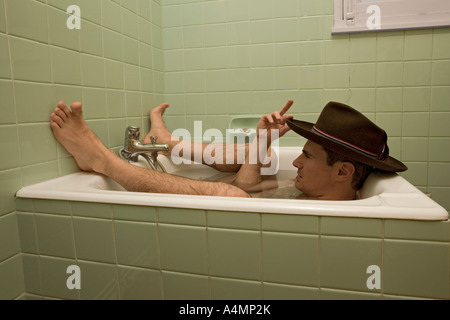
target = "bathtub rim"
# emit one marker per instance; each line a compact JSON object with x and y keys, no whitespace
{"x":375,"y":207}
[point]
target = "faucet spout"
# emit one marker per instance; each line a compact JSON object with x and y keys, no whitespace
{"x":133,"y":148}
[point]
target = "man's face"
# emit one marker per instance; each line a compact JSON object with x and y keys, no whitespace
{"x":314,"y":177}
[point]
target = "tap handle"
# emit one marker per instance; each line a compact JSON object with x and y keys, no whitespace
{"x":133,"y":133}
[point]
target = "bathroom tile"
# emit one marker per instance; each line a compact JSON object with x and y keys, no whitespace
{"x":362,"y":75}
{"x":33,"y":101}
{"x":440,"y":98}
{"x":418,"y":45}
{"x":114,"y":74}
{"x":368,"y":228}
{"x":417,"y":230}
{"x":234,"y":220}
{"x":92,"y":210}
{"x":182,"y":216}
{"x":39,"y":173}
{"x":30,"y":60}
{"x":311,"y":28}
{"x":297,"y":263}
{"x":9,"y":236}
{"x":311,"y":53}
{"x":115,"y":100}
{"x":11,"y":278}
{"x":32,"y":273}
{"x":179,"y":286}
{"x":27,"y":19}
{"x":311,"y":77}
{"x":183,"y":249}
{"x":390,"y":74}
{"x":416,"y":268}
{"x":235,"y":254}
{"x":337,"y":50}
{"x":234,"y":289}
{"x":112,"y":45}
{"x":410,"y":147}
{"x":238,"y":10}
{"x":417,"y":99}
{"x":66,"y":66}
{"x":111,"y":16}
{"x":99,"y":281}
{"x":9,"y":141}
{"x":37,"y":144}
{"x":274,"y":291}
{"x":7,"y":109}
{"x":438,"y":124}
{"x":94,"y":103}
{"x":59,"y":34}
{"x":11,"y":183}
{"x":261,"y":31}
{"x":441,"y":42}
{"x":2,"y":17}
{"x":129,"y":23}
{"x":440,"y":71}
{"x":417,"y":73}
{"x":54,"y":278}
{"x":331,"y":294}
{"x":91,"y":38}
{"x":139,"y":284}
{"x":28,"y":232}
{"x":55,"y":235}
{"x":290,"y":223}
{"x":131,"y":77}
{"x":134,"y":213}
{"x":438,"y":173}
{"x":389,"y":99}
{"x":194,"y":36}
{"x":92,"y":71}
{"x":172,"y":38}
{"x":91,"y":11}
{"x":344,"y":262}
{"x":136,"y":244}
{"x":94,"y":240}
{"x":24,"y":205}
{"x":438,"y":149}
{"x":363,"y":47}
{"x":390,"y":46}
{"x":336,"y":76}
{"x":415,"y":124}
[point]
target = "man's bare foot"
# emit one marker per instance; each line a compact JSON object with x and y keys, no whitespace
{"x":70,"y":129}
{"x":158,"y":127}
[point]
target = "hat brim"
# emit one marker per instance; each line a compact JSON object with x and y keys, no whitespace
{"x":305,"y":130}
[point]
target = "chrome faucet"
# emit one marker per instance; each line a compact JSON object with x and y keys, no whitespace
{"x":133,"y":148}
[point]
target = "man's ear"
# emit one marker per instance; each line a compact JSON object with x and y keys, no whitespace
{"x":346,"y":171}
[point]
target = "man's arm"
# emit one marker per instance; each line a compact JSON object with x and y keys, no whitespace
{"x":250,"y":174}
{"x":136,"y":179}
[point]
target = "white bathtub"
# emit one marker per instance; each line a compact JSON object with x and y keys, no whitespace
{"x":383,"y":196}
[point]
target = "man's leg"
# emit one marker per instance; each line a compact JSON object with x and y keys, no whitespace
{"x":159,"y":129}
{"x":70,"y":129}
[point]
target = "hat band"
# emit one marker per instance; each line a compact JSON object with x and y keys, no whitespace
{"x":349,"y":145}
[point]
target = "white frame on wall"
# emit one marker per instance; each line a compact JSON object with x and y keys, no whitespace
{"x":378,"y":15}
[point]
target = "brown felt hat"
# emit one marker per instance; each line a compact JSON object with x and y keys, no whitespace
{"x":346,"y":131}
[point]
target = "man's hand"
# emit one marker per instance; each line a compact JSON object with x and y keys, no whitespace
{"x":276,"y":121}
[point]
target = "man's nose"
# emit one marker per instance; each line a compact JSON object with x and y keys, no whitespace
{"x":298,"y":163}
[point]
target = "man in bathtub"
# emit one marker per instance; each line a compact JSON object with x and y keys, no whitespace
{"x":343,"y":148}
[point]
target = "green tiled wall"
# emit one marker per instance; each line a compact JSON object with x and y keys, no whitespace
{"x":131,"y":252}
{"x":211,"y":60}
{"x":113,"y":65}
